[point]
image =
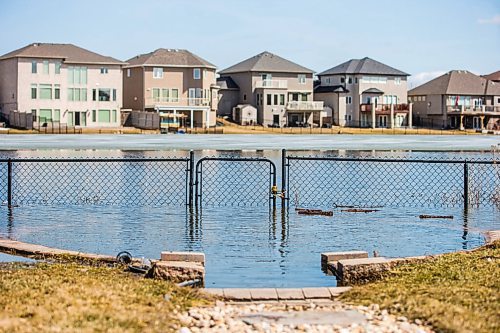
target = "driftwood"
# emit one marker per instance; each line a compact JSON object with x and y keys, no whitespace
{"x":304,"y":211}
{"x":436,"y":216}
{"x":359,"y":210}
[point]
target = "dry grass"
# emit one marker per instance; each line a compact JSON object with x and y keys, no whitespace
{"x":77,"y":298}
{"x":457,"y":292}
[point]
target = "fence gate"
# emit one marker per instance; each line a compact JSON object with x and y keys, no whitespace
{"x":228,"y":181}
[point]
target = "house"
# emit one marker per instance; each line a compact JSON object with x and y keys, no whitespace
{"x":495,"y":76}
{"x":245,"y":114}
{"x":364,"y":93}
{"x":280,"y":90}
{"x":54,"y":84}
{"x":176,"y":83}
{"x":457,"y":99}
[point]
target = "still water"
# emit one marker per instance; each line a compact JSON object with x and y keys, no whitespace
{"x":244,"y":246}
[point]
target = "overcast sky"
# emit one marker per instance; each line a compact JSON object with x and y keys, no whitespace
{"x":422,"y":37}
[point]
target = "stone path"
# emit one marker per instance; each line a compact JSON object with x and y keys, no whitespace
{"x":277,"y":294}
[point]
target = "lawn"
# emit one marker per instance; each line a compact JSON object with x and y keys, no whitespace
{"x":457,"y":292}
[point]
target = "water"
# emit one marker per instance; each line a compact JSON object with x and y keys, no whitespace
{"x":247,"y":246}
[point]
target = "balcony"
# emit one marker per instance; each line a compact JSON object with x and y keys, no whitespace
{"x":180,"y":102}
{"x":272,"y":84}
{"x":384,"y":108}
{"x":469,"y":109}
{"x":304,"y":106}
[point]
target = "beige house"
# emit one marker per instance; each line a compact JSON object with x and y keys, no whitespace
{"x":458,"y":99}
{"x":365,"y":93}
{"x":175,"y":83}
{"x":60,"y":84}
{"x":280,"y":90}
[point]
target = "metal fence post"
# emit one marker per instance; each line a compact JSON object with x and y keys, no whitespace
{"x":191,"y":177}
{"x":283,"y":178}
{"x":466,"y":185}
{"x":9,"y":183}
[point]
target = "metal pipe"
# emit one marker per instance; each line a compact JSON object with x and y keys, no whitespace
{"x":9,"y":183}
{"x":466,"y":185}
{"x":191,"y":176}
{"x":283,"y":178}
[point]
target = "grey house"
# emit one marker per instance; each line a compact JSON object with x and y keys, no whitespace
{"x":364,"y":92}
{"x":280,"y":90}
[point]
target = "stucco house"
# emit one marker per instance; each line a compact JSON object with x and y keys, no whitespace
{"x":280,"y":90}
{"x":173,"y":82}
{"x":60,"y":84}
{"x":364,"y":93}
{"x":458,"y":99}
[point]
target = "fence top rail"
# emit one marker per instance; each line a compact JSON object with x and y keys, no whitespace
{"x":93,"y":160}
{"x":387,"y":160}
{"x":236,"y":159}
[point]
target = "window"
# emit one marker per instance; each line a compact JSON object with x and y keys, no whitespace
{"x":128,"y":72}
{"x":349,"y":80}
{"x":33,"y":67}
{"x":498,"y":100}
{"x":57,"y":115}
{"x":45,"y":91}
{"x":423,"y":98}
{"x":348,"y":99}
{"x":244,"y":97}
{"x":104,"y":70}
{"x":77,"y":75}
{"x":374,"y":79}
{"x":302,"y":79}
{"x":33,"y":113}
{"x":78,"y":94}
{"x":114,"y":94}
{"x":328,"y":80}
{"x":45,"y":67}
{"x":57,"y":69}
{"x":275,"y":100}
{"x":342,"y":80}
{"x":355,"y":80}
{"x":104,"y":116}
{"x":70,"y":94}
{"x":57,"y":91}
{"x":165,"y":93}
{"x":83,"y":94}
{"x":157,"y":72}
{"x":94,"y":94}
{"x":196,"y":73}
{"x":175,"y":95}
{"x":397,"y":80}
{"x":113,"y":116}
{"x":33,"y":91}
{"x":156,"y":94}
{"x":104,"y":95}
{"x":94,"y":116}
{"x":282,"y":99}
{"x":45,"y":115}
{"x":269,"y":99}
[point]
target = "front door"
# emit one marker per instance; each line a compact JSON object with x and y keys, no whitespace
{"x":276,"y":119}
{"x":191,"y":96}
{"x":77,"y":118}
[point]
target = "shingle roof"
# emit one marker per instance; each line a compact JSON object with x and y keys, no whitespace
{"x":457,"y":82}
{"x":495,"y":76}
{"x":363,"y":66}
{"x":225,"y":82}
{"x":266,"y":62}
{"x":69,"y":53}
{"x":330,"y":89}
{"x":169,"y":57}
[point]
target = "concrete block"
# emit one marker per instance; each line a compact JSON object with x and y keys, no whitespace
{"x":290,"y":294}
{"x":177,"y":271}
{"x":337,"y":291}
{"x":183,"y":256}
{"x":214,"y":291}
{"x":237,"y":294}
{"x":311,"y":293}
{"x":264,"y":294}
{"x":336,"y":256}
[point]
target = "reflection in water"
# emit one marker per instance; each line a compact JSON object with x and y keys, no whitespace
{"x":466,"y":228}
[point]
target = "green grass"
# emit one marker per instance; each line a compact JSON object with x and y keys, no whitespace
{"x":73,"y":297}
{"x":457,"y":292}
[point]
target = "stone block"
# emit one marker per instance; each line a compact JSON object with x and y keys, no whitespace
{"x":177,"y":271}
{"x":336,"y":256}
{"x":290,"y":294}
{"x":311,"y":293}
{"x":214,"y":291}
{"x":237,"y":294}
{"x":264,"y":294}
{"x":198,"y":257}
{"x":337,"y":291}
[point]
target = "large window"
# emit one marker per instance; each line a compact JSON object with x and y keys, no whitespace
{"x":374,"y":79}
{"x":77,"y":94}
{"x":156,"y":94}
{"x":302,"y":78}
{"x":45,"y":115}
{"x":157,"y":72}
{"x":104,"y":116}
{"x":165,"y":94}
{"x":104,"y":94}
{"x":196,"y":73}
{"x":77,"y":75}
{"x":45,"y":91}
{"x":175,"y":95}
{"x":33,"y":67}
{"x":45,"y":67}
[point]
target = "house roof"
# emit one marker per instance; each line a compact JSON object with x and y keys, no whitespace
{"x":457,"y":82}
{"x":373,"y":91}
{"x":330,"y":89}
{"x":266,"y":62}
{"x":363,"y":66}
{"x":225,"y":82}
{"x":69,"y":53}
{"x":170,"y":58}
{"x":495,"y":76}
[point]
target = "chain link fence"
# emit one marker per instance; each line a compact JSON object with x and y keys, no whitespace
{"x":138,"y":182}
{"x":358,"y":182}
{"x":227,"y":181}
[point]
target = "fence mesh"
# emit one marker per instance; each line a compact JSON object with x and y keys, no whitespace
{"x":333,"y":182}
{"x":3,"y":182}
{"x":234,"y":182}
{"x":100,"y":182}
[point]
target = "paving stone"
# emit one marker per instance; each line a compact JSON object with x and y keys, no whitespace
{"x":214,"y":291}
{"x":336,"y":291}
{"x":263,"y":294}
{"x":316,"y":292}
{"x":183,"y":256}
{"x":237,"y":294}
{"x":336,"y":256}
{"x":290,"y":294}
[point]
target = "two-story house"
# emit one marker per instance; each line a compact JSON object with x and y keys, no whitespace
{"x":60,"y":84}
{"x":176,"y":83}
{"x":365,"y":93}
{"x":280,"y":90}
{"x":458,"y":99}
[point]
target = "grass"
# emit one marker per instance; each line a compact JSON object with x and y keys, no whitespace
{"x":457,"y":292}
{"x":73,"y":297}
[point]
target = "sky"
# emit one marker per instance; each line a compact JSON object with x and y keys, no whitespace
{"x":422,"y":37}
